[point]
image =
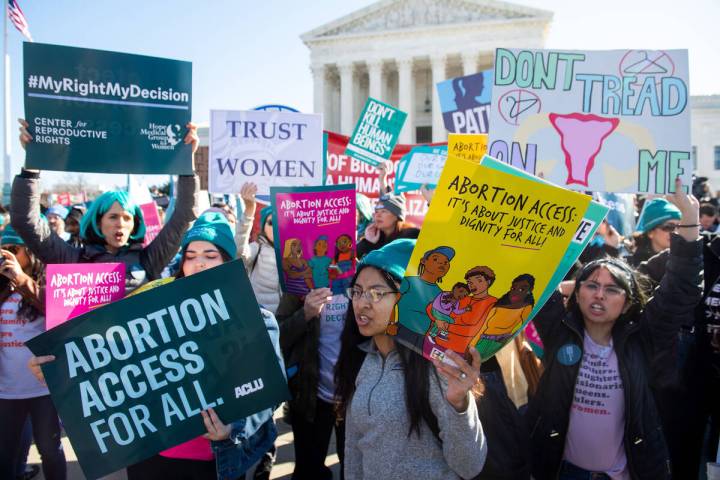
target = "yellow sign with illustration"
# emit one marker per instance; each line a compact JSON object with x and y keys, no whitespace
{"x":490,"y":243}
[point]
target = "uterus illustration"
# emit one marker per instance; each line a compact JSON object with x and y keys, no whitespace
{"x":581,"y":139}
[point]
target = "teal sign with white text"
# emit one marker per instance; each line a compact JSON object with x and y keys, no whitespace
{"x":106,"y":112}
{"x":376,"y":132}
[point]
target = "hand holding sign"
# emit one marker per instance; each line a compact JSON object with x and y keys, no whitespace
{"x":461,"y":377}
{"x":25,"y":136}
{"x":35,"y":365}
{"x":690,"y":209}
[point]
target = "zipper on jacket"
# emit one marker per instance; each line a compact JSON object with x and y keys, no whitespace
{"x":382,"y":372}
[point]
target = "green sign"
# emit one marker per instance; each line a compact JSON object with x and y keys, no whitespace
{"x":107,"y":112}
{"x":131,"y":378}
{"x":376,"y":132}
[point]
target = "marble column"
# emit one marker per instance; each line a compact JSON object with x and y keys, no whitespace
{"x":405,"y":98}
{"x":437,"y":62}
{"x":347,"y":118}
{"x":318,"y":73}
{"x":469,"y":63}
{"x":375,"y":77}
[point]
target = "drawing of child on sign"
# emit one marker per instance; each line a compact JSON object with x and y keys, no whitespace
{"x":418,"y":293}
{"x":506,"y":317}
{"x":444,"y":306}
{"x":474,"y":309}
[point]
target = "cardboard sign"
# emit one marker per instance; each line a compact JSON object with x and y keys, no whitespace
{"x":465,"y":102}
{"x":269,"y":148}
{"x":376,"y":133}
{"x":106,"y":112}
{"x":131,"y":378}
{"x":75,"y":288}
{"x":611,"y":121}
{"x":509,"y":234}
{"x":315,"y":242}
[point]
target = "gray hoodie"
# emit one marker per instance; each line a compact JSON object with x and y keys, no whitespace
{"x":377,"y":445}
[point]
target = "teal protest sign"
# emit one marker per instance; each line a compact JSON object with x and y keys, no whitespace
{"x":108,"y":112}
{"x":131,"y":378}
{"x":376,"y":132}
{"x":421,"y":166}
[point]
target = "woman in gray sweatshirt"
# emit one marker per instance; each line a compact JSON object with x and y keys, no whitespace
{"x":404,"y":419}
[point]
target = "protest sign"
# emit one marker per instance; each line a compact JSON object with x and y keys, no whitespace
{"x":140,"y":195}
{"x":343,"y":169}
{"x":131,"y":378}
{"x":268,"y":148}
{"x":522,"y":229}
{"x":107,"y":112}
{"x":314,"y":231}
{"x":421,"y":166}
{"x":465,"y":102}
{"x":376,"y":132}
{"x":471,"y":147}
{"x":612,"y":121}
{"x":622,"y":211}
{"x":72,"y":289}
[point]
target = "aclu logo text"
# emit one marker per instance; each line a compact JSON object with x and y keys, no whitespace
{"x":162,"y":137}
{"x":248,"y":388}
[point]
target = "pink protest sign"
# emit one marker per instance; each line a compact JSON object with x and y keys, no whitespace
{"x":153,"y":225}
{"x":76,"y":288}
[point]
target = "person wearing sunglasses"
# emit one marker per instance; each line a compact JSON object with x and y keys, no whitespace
{"x":594,"y":414}
{"x":659,"y":219}
{"x":22,"y":316}
{"x":404,"y":419}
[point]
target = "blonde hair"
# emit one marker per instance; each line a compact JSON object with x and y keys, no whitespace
{"x":287,"y":251}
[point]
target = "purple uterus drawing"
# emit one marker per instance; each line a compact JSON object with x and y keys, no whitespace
{"x":581,"y":138}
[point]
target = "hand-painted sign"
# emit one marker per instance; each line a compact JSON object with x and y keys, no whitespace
{"x":613,"y":121}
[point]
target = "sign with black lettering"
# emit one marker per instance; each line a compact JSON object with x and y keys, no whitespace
{"x":268,"y":148}
{"x":131,"y":378}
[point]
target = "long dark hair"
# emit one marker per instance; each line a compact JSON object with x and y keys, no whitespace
{"x":624,"y":277}
{"x":418,"y":370}
{"x":36,"y":271}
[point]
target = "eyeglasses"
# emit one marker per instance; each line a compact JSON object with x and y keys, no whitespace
{"x":610,"y":291}
{"x":373,"y":295}
{"x":670,"y":227}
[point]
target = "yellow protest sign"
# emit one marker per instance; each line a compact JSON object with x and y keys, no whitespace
{"x":490,"y":242}
{"x":470,"y":146}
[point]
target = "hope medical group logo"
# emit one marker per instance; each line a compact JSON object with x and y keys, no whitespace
{"x":161,"y":136}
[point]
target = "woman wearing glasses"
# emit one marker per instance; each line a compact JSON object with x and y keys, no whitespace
{"x":658,"y":221}
{"x":404,"y":419}
{"x":594,"y":415}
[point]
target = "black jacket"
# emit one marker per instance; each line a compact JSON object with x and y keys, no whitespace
{"x":644,"y":346}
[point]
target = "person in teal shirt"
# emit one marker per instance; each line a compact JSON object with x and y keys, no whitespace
{"x":320,"y":263}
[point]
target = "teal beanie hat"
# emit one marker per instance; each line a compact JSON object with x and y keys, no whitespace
{"x":212,"y":227}
{"x":10,"y":237}
{"x":392,"y":258}
{"x":102,"y":204}
{"x":264,"y":214}
{"x":656,"y":212}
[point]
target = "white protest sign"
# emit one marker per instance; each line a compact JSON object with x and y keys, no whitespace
{"x":268,"y":148}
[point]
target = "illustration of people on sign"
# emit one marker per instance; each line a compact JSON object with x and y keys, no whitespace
{"x":444,"y":306}
{"x":343,"y":264}
{"x":298,"y":274}
{"x":320,"y":263}
{"x":418,"y":293}
{"x":506,"y":317}
{"x":474,"y":307}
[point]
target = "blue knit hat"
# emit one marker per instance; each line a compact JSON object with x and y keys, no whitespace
{"x":656,"y":212}
{"x":10,"y":237}
{"x":392,"y":258}
{"x":264,"y":214}
{"x":212,"y":227}
{"x":58,"y":210}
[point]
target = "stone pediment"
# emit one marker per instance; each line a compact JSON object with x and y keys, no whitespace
{"x":393,"y":15}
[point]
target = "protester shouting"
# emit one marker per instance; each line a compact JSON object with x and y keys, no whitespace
{"x":112,"y":230}
{"x":593,"y":415}
{"x":402,"y":419}
{"x":234,"y":448}
{"x":22,"y":316}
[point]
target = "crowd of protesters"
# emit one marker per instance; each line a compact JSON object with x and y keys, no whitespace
{"x":636,"y":311}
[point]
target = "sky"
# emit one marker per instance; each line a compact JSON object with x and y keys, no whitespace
{"x":246,"y":53}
